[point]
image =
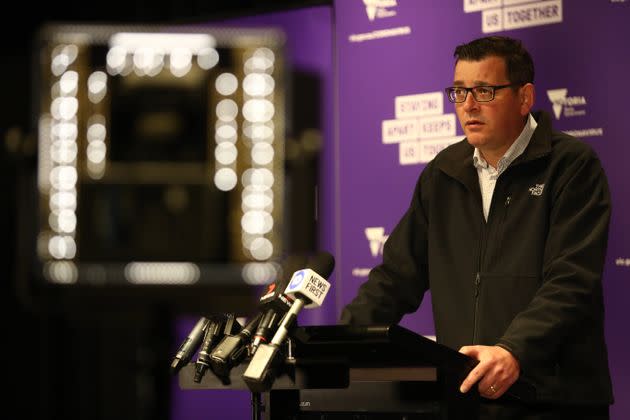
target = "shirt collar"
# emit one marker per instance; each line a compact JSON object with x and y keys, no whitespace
{"x":515,"y":150}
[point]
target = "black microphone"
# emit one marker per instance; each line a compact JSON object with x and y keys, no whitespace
{"x":309,"y":289}
{"x":274,"y":303}
{"x":214,"y":332}
{"x":188,"y":348}
{"x":232,"y":349}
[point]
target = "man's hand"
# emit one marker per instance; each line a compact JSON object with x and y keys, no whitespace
{"x":497,"y":370}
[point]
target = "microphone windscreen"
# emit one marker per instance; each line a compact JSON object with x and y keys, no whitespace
{"x":290,"y":265}
{"x":323,"y":263}
{"x":272,"y":295}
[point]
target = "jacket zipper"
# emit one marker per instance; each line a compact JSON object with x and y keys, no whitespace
{"x":477,"y":281}
{"x":482,"y":250}
{"x":476,"y":296}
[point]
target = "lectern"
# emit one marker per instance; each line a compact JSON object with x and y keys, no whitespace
{"x":359,"y":372}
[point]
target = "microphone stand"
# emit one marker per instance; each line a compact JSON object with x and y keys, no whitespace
{"x":257,"y":406}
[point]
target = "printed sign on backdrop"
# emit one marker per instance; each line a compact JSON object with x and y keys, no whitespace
{"x":505,"y":15}
{"x":421,"y":129}
{"x":392,"y":108}
{"x":378,"y":11}
{"x":566,"y":105}
{"x":376,"y":239}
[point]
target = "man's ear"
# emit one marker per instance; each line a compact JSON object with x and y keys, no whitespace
{"x":527,"y":96}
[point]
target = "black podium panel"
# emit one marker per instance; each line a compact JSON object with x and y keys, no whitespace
{"x":373,"y":399}
{"x":359,"y":373}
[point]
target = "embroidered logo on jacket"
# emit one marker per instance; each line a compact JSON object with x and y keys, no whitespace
{"x":537,"y":189}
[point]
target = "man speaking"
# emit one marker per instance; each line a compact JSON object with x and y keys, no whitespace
{"x":508,"y":230}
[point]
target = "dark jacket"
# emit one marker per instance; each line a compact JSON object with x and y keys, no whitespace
{"x":528,"y":279}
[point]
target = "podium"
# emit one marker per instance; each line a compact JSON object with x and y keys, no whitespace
{"x":358,"y":372}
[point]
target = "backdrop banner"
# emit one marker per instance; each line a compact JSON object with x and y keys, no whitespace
{"x":394,"y":59}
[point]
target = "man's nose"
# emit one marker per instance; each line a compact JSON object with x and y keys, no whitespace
{"x":470,"y":103}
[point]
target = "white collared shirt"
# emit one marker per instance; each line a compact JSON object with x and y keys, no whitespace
{"x":488,"y":175}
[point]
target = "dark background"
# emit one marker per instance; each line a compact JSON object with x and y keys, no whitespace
{"x":109,"y":361}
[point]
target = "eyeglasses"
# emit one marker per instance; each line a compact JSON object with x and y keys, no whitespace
{"x":458,"y":94}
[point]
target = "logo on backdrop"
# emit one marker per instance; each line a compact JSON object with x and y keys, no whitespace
{"x":505,"y":15}
{"x":565,"y":105}
{"x":420,"y":128}
{"x":377,"y":9}
{"x":376,"y":237}
{"x":571,"y":105}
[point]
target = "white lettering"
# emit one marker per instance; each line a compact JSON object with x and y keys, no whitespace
{"x":437,"y":126}
{"x":381,"y":33}
{"x":360,"y":272}
{"x":586,"y":132}
{"x":535,"y":14}
{"x":409,"y":153}
{"x":477,"y":5}
{"x":430,"y":148}
{"x":492,"y":20}
{"x":395,"y":131}
{"x":420,"y":105}
{"x":572,"y":101}
{"x":572,"y":112}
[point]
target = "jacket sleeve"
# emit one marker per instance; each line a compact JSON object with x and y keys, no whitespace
{"x":396,"y":286}
{"x":571,"y":289}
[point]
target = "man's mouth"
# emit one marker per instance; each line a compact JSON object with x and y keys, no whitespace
{"x":473,"y":123}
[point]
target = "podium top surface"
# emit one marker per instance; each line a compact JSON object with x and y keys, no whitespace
{"x":385,"y":345}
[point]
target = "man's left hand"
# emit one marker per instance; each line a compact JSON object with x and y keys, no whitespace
{"x":497,"y":370}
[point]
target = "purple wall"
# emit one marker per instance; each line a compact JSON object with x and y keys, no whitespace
{"x":402,"y":48}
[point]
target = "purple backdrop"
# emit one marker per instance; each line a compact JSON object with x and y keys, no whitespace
{"x":393,"y":60}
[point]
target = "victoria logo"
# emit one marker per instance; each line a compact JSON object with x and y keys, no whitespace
{"x":560,"y":101}
{"x":379,"y":8}
{"x":376,"y":237}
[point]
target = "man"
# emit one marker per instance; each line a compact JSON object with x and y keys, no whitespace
{"x":508,"y":230}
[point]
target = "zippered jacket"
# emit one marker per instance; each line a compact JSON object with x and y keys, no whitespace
{"x":529,"y":279}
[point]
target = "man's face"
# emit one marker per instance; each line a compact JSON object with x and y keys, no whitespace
{"x":490,"y":126}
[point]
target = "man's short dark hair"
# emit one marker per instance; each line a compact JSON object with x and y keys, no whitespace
{"x":518,"y":62}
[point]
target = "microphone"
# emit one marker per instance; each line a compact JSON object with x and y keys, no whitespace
{"x":274,"y":303}
{"x":232,"y":349}
{"x":309,"y":289}
{"x":189,"y":346}
{"x":218,"y":327}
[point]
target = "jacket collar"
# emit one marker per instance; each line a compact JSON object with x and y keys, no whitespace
{"x":458,"y":161}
